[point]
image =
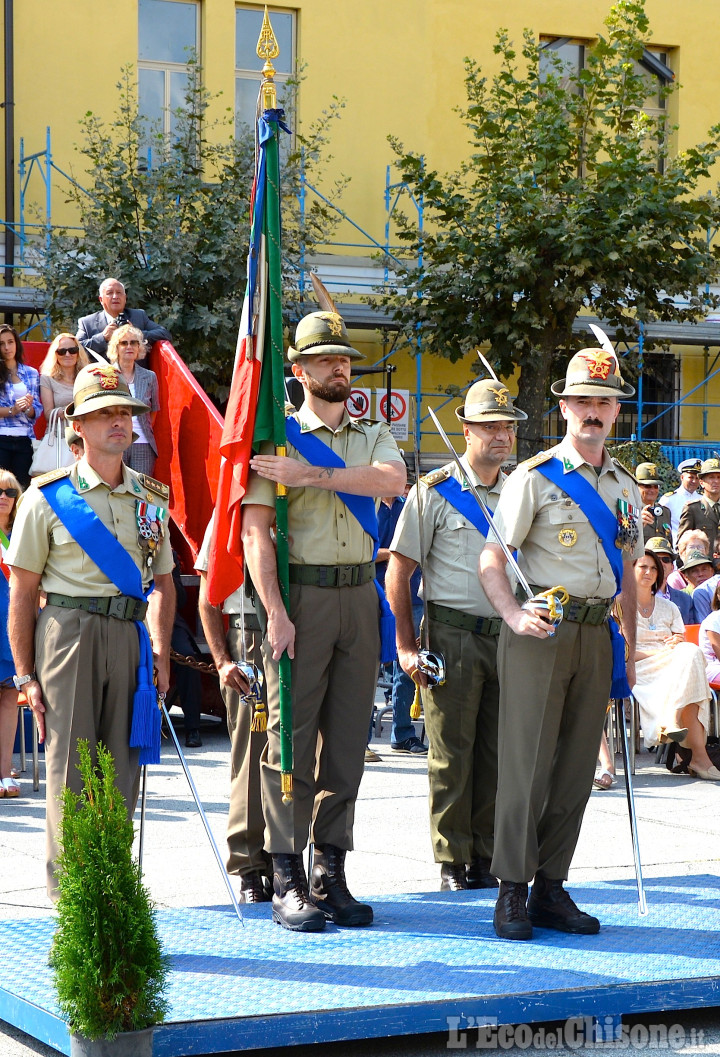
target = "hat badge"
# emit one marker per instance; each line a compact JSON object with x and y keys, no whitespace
{"x":501,"y":395}
{"x":107,"y":376}
{"x":599,"y":364}
{"x":334,"y":322}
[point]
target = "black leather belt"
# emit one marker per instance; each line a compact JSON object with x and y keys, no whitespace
{"x":455,"y":618}
{"x":121,"y":607}
{"x":332,"y":575}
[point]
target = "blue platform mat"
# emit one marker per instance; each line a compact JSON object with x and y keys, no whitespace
{"x":429,"y":959}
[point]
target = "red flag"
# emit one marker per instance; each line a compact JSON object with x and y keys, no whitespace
{"x":225,"y":564}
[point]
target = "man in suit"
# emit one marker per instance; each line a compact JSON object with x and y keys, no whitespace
{"x":94,"y":331}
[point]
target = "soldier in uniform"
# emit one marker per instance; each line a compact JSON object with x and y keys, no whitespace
{"x":77,"y":660}
{"x":656,"y":518}
{"x":703,"y":512}
{"x":461,"y":715}
{"x":332,"y":631}
{"x":675,"y":501}
{"x":246,"y":823}
{"x":555,"y":684}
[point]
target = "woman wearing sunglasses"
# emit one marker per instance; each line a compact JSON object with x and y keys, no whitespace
{"x":19,"y":406}
{"x":9,"y":493}
{"x":125,"y":346}
{"x":64,"y":359}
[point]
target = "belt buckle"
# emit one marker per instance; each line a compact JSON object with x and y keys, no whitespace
{"x":344,"y":576}
{"x":93,"y":605}
{"x":117,"y":607}
{"x":594,"y":601}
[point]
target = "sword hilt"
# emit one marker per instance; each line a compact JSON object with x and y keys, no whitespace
{"x":432,"y":665}
{"x":550,"y":603}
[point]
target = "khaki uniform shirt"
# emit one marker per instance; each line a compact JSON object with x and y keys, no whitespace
{"x":559,"y":546}
{"x":452,"y":544}
{"x":322,"y":530}
{"x":41,"y":543}
{"x":701,"y":513}
{"x":234,"y":603}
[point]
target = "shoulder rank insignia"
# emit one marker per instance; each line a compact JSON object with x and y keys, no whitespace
{"x":155,"y":486}
{"x":436,"y":476}
{"x":537,"y":460}
{"x":51,"y":475}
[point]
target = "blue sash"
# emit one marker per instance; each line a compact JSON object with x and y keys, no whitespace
{"x":113,"y":561}
{"x":464,"y":502}
{"x":362,"y":507}
{"x":604,"y":522}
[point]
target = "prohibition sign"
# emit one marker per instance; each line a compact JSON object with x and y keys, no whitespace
{"x":398,"y":406}
{"x":358,"y":403}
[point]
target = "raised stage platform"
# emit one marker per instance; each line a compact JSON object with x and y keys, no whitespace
{"x":430,"y":963}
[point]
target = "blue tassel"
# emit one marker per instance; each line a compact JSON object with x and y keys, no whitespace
{"x":619,"y":688}
{"x":145,"y":731}
{"x":388,"y":646}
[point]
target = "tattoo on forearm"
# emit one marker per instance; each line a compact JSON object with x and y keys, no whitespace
{"x":327,"y":471}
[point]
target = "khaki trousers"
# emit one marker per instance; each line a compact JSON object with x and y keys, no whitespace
{"x":246,"y":823}
{"x":461,"y":719}
{"x":553,"y":699}
{"x":334,"y":674}
{"x":86,"y":665}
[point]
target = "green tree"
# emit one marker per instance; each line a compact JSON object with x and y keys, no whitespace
{"x":569,"y":200}
{"x":171,"y":219}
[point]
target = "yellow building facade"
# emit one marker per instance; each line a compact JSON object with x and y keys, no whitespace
{"x":398,"y":66}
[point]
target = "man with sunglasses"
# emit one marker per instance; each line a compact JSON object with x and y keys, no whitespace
{"x":94,"y":331}
{"x":461,"y":716}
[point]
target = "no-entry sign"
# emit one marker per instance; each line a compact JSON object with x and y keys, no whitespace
{"x":399,"y":403}
{"x":358,"y":403}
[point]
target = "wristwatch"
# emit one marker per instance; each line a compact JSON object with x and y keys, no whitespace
{"x":21,"y":680}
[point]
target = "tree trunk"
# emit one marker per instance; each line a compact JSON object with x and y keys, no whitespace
{"x":531,"y":399}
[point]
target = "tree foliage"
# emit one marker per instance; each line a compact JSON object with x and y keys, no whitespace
{"x":171,"y":220}
{"x":569,"y":200}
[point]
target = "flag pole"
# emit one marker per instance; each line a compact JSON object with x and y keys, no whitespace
{"x":268,"y":49}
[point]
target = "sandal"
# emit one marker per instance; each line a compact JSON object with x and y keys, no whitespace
{"x":603,"y":781}
{"x":10,"y":787}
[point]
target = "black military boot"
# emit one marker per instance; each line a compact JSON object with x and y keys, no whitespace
{"x":452,"y":877}
{"x":550,"y":907}
{"x":329,"y":891}
{"x":478,"y":874}
{"x":510,"y":919}
{"x":255,"y":888}
{"x":290,"y":902}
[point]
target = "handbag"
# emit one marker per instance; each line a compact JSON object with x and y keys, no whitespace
{"x":52,"y":452}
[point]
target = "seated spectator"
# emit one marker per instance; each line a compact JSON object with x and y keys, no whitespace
{"x":692,"y":540}
{"x":58,"y":371}
{"x":698,"y":571}
{"x":19,"y":406}
{"x":659,"y":546}
{"x":9,"y":787}
{"x":94,"y":331}
{"x":709,"y":638}
{"x":123,"y":350}
{"x":671,"y":686}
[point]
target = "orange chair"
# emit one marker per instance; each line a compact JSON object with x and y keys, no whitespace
{"x":692,"y":634}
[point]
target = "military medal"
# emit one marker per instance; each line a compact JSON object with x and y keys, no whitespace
{"x":567,"y":537}
{"x":150,"y":520}
{"x":628,"y":532}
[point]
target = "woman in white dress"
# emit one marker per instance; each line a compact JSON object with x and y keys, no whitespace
{"x":672,"y":687}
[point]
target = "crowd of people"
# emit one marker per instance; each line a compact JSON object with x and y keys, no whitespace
{"x":605,"y":566}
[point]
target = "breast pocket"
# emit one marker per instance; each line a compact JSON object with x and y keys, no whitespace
{"x":61,"y":537}
{"x":463,"y":534}
{"x":562,"y":514}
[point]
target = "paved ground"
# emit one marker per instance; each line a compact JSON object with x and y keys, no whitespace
{"x":679,"y":824}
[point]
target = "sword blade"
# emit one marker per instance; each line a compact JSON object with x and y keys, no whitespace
{"x":425,"y":631}
{"x":485,"y":509}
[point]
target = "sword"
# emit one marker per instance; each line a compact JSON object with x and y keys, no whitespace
{"x":551,"y":601}
{"x":430,"y":663}
{"x":642,"y":901}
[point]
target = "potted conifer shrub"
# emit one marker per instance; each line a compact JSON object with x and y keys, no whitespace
{"x":108,"y":964}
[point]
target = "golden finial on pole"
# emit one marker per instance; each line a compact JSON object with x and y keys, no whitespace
{"x":267,"y":49}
